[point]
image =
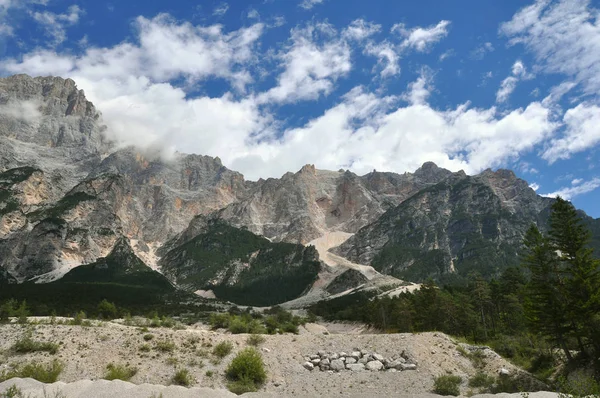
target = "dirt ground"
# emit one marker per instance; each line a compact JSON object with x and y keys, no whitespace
{"x":86,"y":351}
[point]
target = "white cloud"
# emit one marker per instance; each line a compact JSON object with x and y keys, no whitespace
{"x":387,"y":58}
{"x":221,"y":9}
{"x":130,"y":84}
{"x":447,"y":54}
{"x":422,"y":39}
{"x":308,"y":4}
{"x":535,"y":186}
{"x":366,"y":132}
{"x":508,"y":85}
{"x":557,"y":92}
{"x":581,"y":133}
{"x":253,"y":14}
{"x":359,"y":29}
{"x":56,"y":25}
{"x":577,"y":181}
{"x":573,"y":191}
{"x":480,"y":52}
{"x":564,"y":37}
{"x":7,"y":7}
{"x":315,"y":58}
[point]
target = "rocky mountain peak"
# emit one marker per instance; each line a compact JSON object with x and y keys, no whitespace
{"x":429,"y":172}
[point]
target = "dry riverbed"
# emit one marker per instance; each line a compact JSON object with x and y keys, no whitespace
{"x":158,"y":352}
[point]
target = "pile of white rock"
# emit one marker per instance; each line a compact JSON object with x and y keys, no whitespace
{"x":359,"y":360}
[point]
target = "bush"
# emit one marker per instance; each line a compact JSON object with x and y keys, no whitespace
{"x":148,"y":337}
{"x":45,"y":373}
{"x":447,"y":385}
{"x":219,"y":321}
{"x":182,"y":378}
{"x":481,"y":380}
{"x":223,"y":349}
{"x":165,"y":346}
{"x":246,"y":371}
{"x":120,"y":372}
{"x":26,"y":344}
{"x":107,"y":310}
{"x":255,"y":340}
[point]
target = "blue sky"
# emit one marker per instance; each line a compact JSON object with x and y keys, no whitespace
{"x":271,"y":85}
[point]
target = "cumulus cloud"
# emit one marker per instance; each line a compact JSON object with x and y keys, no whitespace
{"x":563,"y":36}
{"x":581,"y":133}
{"x":387,"y":58}
{"x":360,"y":29}
{"x":573,"y":191}
{"x":132,"y":84}
{"x":308,"y":4}
{"x":422,"y":39}
{"x":534,"y":186}
{"x":315,"y":58}
{"x":509,"y":84}
{"x":56,"y":25}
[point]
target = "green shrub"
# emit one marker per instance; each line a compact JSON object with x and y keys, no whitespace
{"x":219,"y":321}
{"x":517,"y":382}
{"x":12,"y":392}
{"x":120,"y":372}
{"x":447,"y":385}
{"x":182,"y":378}
{"x":47,"y":373}
{"x":26,"y":344}
{"x":223,"y":349}
{"x":209,"y":373}
{"x":148,"y":337}
{"x":246,"y":372}
{"x":165,"y":346}
{"x":107,"y":310}
{"x":144,"y":348}
{"x":255,"y":340}
{"x":481,"y":380}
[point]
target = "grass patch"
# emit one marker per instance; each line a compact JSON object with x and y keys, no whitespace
{"x":46,"y":373}
{"x":27,"y":344}
{"x":223,"y":349}
{"x":255,"y":340}
{"x":447,"y":385}
{"x":182,"y":378}
{"x":120,"y":372}
{"x":246,"y":372}
{"x":165,"y":346}
{"x":481,"y":380}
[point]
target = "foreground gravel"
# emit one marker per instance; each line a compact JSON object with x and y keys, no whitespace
{"x":86,"y":351}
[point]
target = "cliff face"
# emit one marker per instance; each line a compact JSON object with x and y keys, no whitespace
{"x":460,"y":225}
{"x":68,"y":196}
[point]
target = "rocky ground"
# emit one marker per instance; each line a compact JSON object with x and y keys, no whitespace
{"x":86,"y":351}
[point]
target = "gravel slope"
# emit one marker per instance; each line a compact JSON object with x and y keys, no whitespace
{"x":86,"y":351}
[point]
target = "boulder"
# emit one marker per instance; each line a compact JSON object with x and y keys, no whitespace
{"x":363,"y":360}
{"x":308,"y":366}
{"x":503,"y":372}
{"x":377,"y":357}
{"x":325,"y":362}
{"x":316,"y":361}
{"x":374,"y":365}
{"x":337,"y":365}
{"x":350,"y":360}
{"x":356,"y":355}
{"x":334,"y":356}
{"x":322,"y":354}
{"x":314,"y":356}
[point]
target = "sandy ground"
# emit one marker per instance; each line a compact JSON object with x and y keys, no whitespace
{"x":86,"y":351}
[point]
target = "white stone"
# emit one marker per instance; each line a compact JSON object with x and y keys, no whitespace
{"x":356,"y":355}
{"x":308,"y":366}
{"x":374,"y":365}
{"x":350,"y":360}
{"x":408,"y":366}
{"x":378,"y":357}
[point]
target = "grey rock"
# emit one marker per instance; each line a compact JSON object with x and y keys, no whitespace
{"x":407,"y":366}
{"x":316,"y":361}
{"x":378,"y":357}
{"x":308,"y":366}
{"x":363,"y":360}
{"x":356,"y":367}
{"x":374,"y":365}
{"x":356,"y":355}
{"x":337,"y":365}
{"x":350,"y":360}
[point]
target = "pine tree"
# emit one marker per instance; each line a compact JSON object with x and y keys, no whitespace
{"x":570,"y":239}
{"x":545,"y":302}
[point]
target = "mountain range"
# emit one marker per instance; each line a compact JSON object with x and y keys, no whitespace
{"x":77,"y":207}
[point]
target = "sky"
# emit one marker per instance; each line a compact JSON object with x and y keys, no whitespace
{"x":386,"y":85}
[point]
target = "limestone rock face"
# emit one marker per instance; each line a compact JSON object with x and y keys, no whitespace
{"x":461,"y":224}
